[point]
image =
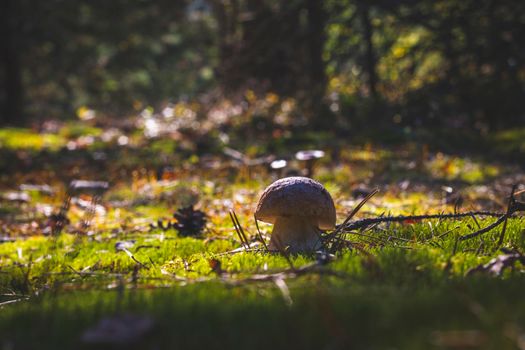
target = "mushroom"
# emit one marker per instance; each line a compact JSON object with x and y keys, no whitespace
{"x":299,"y":208}
{"x":94,"y":188}
{"x":278,"y":166}
{"x":309,"y":157}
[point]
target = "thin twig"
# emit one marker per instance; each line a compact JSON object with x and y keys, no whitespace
{"x":240,"y":228}
{"x":339,"y":228}
{"x":237,"y":251}
{"x":509,"y":210}
{"x":355,"y":210}
{"x":243,"y":243}
{"x":260,"y":234}
{"x":76,"y":271}
{"x":360,"y":224}
{"x":442,"y":234}
{"x":377,"y":239}
{"x":134,"y":259}
{"x":12,"y":301}
{"x":483,"y":230}
{"x":476,"y":221}
{"x":519,"y":192}
{"x":512,"y":207}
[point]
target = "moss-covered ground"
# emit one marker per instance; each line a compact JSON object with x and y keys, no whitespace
{"x":408,"y":285}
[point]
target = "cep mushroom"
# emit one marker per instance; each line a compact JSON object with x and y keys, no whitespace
{"x":299,"y":208}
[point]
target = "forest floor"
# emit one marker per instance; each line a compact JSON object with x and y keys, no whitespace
{"x":114,"y":268}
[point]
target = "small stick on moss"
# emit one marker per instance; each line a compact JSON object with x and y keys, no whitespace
{"x":241,"y":238}
{"x":13,"y":301}
{"x":241,"y":229}
{"x":509,"y":209}
{"x":237,"y":251}
{"x":260,"y":234}
{"x":76,"y":272}
{"x":483,"y":230}
{"x":519,"y":192}
{"x":442,"y":234}
{"x":476,"y":221}
{"x":513,"y":206}
{"x":354,"y":211}
{"x":125,"y":250}
{"x":360,"y":224}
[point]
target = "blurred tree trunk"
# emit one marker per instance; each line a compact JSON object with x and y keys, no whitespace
{"x":316,"y":40}
{"x":226,"y":15}
{"x":370,"y":58}
{"x":13,"y":105}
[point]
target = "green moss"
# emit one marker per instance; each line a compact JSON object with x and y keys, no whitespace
{"x":401,"y":285}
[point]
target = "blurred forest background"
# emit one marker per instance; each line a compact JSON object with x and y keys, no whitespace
{"x":452,"y":63}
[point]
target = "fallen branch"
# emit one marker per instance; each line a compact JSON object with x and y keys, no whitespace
{"x":13,"y":301}
{"x":339,"y":229}
{"x":512,"y":207}
{"x":364,"y":223}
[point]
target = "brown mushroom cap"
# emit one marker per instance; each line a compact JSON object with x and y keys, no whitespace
{"x":297,"y":197}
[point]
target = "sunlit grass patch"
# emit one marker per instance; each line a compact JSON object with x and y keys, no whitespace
{"x":416,"y":271}
{"x":77,"y":129}
{"x":457,"y":168}
{"x":25,"y":139}
{"x":512,"y":140}
{"x":413,"y":277}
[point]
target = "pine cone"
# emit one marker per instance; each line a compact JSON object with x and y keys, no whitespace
{"x":190,"y":222}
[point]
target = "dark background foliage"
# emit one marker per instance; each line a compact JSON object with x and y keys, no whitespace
{"x":426,"y":62}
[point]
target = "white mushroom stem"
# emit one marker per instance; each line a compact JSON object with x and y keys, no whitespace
{"x":298,"y":233}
